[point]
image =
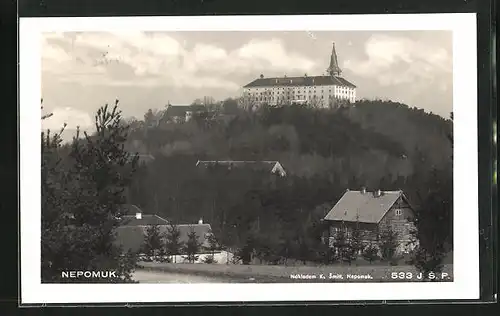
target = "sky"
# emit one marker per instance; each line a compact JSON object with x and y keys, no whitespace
{"x":83,"y":71}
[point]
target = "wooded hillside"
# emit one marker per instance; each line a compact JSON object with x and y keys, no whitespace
{"x":376,"y":144}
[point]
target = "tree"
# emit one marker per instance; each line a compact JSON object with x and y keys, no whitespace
{"x":173,"y":243}
{"x":213,"y":245}
{"x":433,"y":223}
{"x":153,"y":241}
{"x":388,"y":244}
{"x":355,"y":242}
{"x":303,"y":250}
{"x":192,"y":247}
{"x":263,"y":249}
{"x":245,"y":253}
{"x":286,"y":246}
{"x":81,"y":196}
{"x":342,"y":246}
{"x":370,"y":253}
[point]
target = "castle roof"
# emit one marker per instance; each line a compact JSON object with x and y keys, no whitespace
{"x":300,"y":81}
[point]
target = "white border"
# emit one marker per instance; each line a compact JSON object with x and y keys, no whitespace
{"x":466,"y":252}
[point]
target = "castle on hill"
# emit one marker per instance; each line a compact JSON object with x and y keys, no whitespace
{"x":324,"y":91}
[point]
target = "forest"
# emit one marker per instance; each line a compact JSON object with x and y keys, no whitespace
{"x":372,"y":143}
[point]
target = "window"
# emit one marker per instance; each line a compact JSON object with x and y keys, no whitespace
{"x":399,"y":212}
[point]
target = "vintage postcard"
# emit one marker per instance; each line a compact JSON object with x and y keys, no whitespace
{"x":256,"y":158}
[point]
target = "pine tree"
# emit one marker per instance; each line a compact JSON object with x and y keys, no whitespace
{"x":213,"y":246}
{"x":245,"y":253}
{"x":303,"y":249}
{"x":192,"y":247}
{"x":433,"y":224}
{"x":81,"y":197}
{"x":263,"y":249}
{"x":285,"y":247}
{"x":153,"y":241}
{"x":173,"y":242}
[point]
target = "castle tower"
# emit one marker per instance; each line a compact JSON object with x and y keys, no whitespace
{"x":334,"y":69}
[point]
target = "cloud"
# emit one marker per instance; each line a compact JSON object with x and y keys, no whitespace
{"x":395,"y":60}
{"x":158,"y":59}
{"x":72,"y":117}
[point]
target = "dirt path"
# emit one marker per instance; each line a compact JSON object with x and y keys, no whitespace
{"x":144,"y":276}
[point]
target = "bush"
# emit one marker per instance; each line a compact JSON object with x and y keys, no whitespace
{"x":370,"y":253}
{"x":388,"y":245}
{"x":209,"y":259}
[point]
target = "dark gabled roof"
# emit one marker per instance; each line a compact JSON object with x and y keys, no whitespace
{"x":300,"y":81}
{"x":132,"y":237}
{"x":131,"y":220}
{"x":369,"y":208}
{"x":176,"y":110}
{"x":129,"y":209}
{"x":180,"y":110}
{"x":268,"y":166}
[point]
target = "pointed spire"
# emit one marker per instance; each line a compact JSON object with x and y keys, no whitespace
{"x":334,"y":69}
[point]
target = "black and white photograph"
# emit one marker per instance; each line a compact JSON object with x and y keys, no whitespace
{"x":294,"y":156}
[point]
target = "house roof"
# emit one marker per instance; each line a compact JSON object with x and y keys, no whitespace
{"x":201,"y":231}
{"x":130,"y":209}
{"x":132,"y":237}
{"x":300,"y":81}
{"x":268,"y":166}
{"x":367,"y":206}
{"x":176,"y":110}
{"x":131,"y":220}
{"x":180,"y":110}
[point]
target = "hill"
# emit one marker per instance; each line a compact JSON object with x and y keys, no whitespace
{"x":374,"y":144}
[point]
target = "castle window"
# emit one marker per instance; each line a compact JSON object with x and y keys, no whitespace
{"x":398,"y":212}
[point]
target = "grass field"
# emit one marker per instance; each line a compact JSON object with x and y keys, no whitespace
{"x":272,"y":274}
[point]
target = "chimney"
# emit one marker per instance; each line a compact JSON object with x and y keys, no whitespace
{"x":138,"y":215}
{"x":200,"y":221}
{"x":363,"y":190}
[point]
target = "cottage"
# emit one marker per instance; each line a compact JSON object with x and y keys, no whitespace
{"x":272,"y":167}
{"x":181,"y":113}
{"x":130,"y":233}
{"x":372,"y":213}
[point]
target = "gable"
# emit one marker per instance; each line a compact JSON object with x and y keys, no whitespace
{"x":404,"y":206}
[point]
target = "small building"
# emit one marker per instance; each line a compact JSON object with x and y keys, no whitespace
{"x":272,"y":167}
{"x":181,"y":113}
{"x":372,"y":213}
{"x":130,"y":234}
